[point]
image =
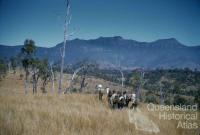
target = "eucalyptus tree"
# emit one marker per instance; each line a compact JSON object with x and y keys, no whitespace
{"x":35,"y":63}
{"x":44,"y":73}
{"x":28,"y":54}
{"x":40,"y":70}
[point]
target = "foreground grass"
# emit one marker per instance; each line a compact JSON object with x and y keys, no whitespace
{"x":81,"y":114}
{"x":77,"y":114}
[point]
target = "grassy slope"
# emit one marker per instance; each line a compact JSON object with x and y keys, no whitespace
{"x":67,"y":114}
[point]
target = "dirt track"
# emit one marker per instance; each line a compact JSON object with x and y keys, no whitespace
{"x":142,"y":122}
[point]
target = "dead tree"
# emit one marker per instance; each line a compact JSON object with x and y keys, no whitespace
{"x":72,"y":79}
{"x":9,"y":66}
{"x":52,"y":78}
{"x":87,"y":68}
{"x":66,"y":26}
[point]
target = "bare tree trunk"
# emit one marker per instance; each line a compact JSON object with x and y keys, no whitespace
{"x":26,"y":83}
{"x":33,"y":77}
{"x":34,"y":85}
{"x":82,"y":83}
{"x":52,"y":79}
{"x":34,"y":74}
{"x":25,"y":86}
{"x":44,"y":86}
{"x":67,"y":22}
{"x":9,"y":67}
{"x":138,"y":94}
{"x":61,"y":71}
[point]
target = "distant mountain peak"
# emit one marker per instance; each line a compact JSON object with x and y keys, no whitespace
{"x":117,"y":37}
{"x":110,"y":38}
{"x":168,"y":43}
{"x":173,"y":40}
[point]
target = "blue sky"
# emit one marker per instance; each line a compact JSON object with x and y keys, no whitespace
{"x":141,"y":20}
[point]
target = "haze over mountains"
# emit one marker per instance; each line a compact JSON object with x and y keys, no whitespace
{"x":114,"y":51}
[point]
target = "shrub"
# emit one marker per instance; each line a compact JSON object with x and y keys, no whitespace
{"x":178,"y":100}
{"x":151,"y":99}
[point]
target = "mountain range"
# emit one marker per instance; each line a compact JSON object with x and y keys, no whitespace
{"x":116,"y":51}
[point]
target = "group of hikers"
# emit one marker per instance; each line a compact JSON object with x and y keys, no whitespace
{"x":119,"y":100}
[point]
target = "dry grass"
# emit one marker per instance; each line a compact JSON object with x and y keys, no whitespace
{"x":52,"y":114}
